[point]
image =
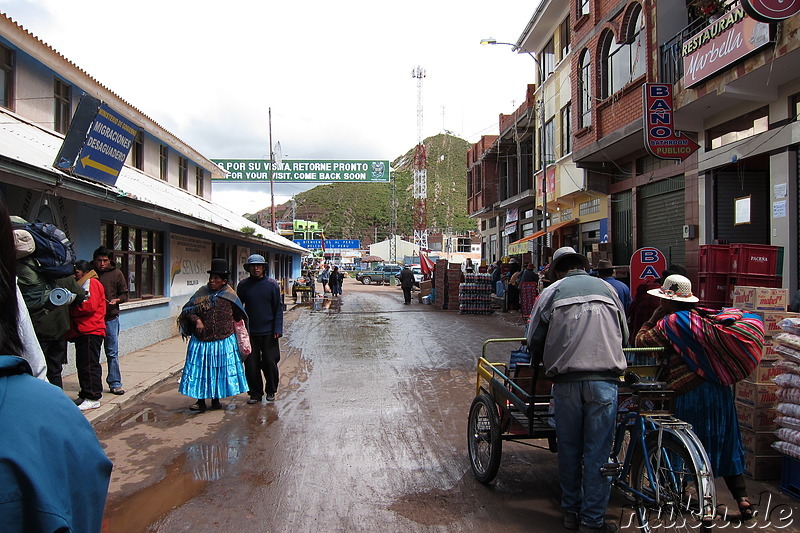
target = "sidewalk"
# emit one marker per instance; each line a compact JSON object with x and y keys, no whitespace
{"x":140,"y":371}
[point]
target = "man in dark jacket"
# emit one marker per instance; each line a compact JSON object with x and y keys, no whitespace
{"x":261,"y":297}
{"x":50,"y":322}
{"x":116,"y":287}
{"x":406,"y":282}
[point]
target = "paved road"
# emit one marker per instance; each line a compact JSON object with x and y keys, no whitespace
{"x":367,"y":434}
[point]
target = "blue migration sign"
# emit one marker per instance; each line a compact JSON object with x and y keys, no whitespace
{"x":97,"y":143}
{"x":330,"y":244}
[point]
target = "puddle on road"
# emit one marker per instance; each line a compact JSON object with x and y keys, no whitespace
{"x":145,"y":415}
{"x":184,"y":479}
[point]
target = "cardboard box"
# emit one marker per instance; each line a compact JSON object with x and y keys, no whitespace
{"x":759,"y":298}
{"x":425,"y":284}
{"x":755,"y":419}
{"x":756,"y":394}
{"x":771,"y":319}
{"x":768,"y":353}
{"x":758,"y":442}
{"x":765,"y":371}
{"x":762,"y":467}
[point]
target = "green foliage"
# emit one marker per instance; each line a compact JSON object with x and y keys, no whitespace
{"x":248,"y":230}
{"x":362,"y":210}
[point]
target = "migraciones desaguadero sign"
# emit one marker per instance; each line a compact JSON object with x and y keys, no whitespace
{"x":771,"y":10}
{"x":726,"y":40}
{"x":97,"y":143}
{"x":660,"y":137}
{"x":303,"y":170}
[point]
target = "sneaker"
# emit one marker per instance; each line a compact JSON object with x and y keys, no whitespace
{"x":571,"y":520}
{"x":607,"y":527}
{"x":270,"y":397}
{"x":253,"y":400}
{"x":119,"y":391}
{"x":87,"y":404}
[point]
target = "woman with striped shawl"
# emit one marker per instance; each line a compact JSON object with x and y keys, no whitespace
{"x":708,"y":352}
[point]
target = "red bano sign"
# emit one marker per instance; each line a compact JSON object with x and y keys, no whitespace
{"x":661,"y":139}
{"x":771,"y":10}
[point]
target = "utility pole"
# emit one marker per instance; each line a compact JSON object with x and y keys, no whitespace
{"x":420,"y":173}
{"x":271,"y":183}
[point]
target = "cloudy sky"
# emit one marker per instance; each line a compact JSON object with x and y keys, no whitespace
{"x":337,"y":75}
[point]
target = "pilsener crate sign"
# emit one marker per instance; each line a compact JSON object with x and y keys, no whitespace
{"x":303,"y":170}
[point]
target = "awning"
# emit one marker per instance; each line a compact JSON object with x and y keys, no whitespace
{"x":550,"y":228}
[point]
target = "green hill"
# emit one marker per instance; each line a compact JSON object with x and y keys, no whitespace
{"x":361,"y":210}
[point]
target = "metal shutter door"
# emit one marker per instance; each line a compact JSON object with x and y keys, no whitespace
{"x":663,"y":217}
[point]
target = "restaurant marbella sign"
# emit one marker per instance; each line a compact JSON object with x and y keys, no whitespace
{"x":661,"y":139}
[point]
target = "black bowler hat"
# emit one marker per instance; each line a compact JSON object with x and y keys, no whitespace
{"x":219,"y":267}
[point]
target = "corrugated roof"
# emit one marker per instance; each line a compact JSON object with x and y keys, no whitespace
{"x":36,"y":147}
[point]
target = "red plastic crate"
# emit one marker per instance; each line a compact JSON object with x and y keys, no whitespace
{"x":755,"y":259}
{"x":748,"y":280}
{"x":715,"y":258}
{"x":713,"y":288}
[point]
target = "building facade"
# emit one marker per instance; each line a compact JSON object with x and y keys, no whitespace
{"x":157,"y":217}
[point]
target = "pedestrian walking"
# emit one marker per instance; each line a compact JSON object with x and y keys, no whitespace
{"x":704,"y":397}
{"x":213,"y":367}
{"x":261,"y":297}
{"x":335,"y":281}
{"x":324,"y":278}
{"x":406,"y":283}
{"x":116,"y":287}
{"x":87,"y":330}
{"x":577,"y":329}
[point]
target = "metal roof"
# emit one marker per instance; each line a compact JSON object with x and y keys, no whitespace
{"x":35,"y":148}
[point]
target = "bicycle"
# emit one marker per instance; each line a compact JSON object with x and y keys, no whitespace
{"x":656,"y":461}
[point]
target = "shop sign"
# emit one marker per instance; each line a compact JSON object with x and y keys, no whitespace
{"x":512,"y":215}
{"x":509,"y":228}
{"x":771,"y":10}
{"x":661,"y":139}
{"x":721,"y":43}
{"x":647,"y":264}
{"x":297,"y":170}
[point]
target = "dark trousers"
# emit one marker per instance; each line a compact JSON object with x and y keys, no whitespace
{"x":407,"y":294}
{"x":55,"y":355}
{"x":87,"y":359}
{"x":263,"y":359}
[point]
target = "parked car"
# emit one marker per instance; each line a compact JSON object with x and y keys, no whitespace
{"x":417,"y":271}
{"x":380,"y":274}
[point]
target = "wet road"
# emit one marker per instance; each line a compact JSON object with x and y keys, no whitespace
{"x":368,"y":433}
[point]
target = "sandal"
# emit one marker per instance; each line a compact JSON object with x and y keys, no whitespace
{"x":745,"y":509}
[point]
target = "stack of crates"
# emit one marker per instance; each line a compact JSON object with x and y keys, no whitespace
{"x":724,"y":266}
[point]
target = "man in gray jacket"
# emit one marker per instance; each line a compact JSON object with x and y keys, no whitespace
{"x":578,"y":330}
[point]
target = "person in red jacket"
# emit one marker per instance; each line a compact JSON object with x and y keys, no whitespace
{"x":87,"y":331}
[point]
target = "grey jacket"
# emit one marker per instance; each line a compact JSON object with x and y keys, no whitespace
{"x":578,"y":329}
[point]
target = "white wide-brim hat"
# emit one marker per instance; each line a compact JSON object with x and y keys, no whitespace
{"x":677,"y":288}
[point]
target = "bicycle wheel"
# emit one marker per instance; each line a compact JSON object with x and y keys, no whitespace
{"x":483,"y":438}
{"x":675,"y":490}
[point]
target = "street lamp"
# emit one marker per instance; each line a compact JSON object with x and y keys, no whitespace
{"x":543,"y":141}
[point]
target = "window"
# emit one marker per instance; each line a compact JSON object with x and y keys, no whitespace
{"x":464,"y":245}
{"x":6,"y":75}
{"x":163,"y":159}
{"x":137,"y":150}
{"x":548,"y":58}
{"x":592,"y":206}
{"x":564,"y":38}
{"x":550,"y":142}
{"x":183,"y":173}
{"x":585,"y":91}
{"x":739,"y":128}
{"x":139,"y":254}
{"x":583,"y":7}
{"x":624,"y":61}
{"x":794,"y":110}
{"x":61,"y":112}
{"x":566,"y":130}
{"x":199,"y":176}
{"x":527,"y":229}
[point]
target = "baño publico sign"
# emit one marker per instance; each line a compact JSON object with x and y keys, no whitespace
{"x":660,"y":137}
{"x":726,"y":40}
{"x":296,"y":170}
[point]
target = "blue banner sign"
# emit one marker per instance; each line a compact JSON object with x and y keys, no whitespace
{"x":330,"y":244}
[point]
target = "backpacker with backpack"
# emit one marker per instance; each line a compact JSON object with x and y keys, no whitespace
{"x":53,"y":255}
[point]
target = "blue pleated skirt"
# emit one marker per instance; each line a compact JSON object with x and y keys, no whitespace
{"x":711,"y":411}
{"x":212,"y":369}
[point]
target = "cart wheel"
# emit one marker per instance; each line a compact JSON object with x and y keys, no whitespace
{"x":483,"y":438}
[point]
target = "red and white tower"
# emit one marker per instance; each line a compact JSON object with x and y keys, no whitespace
{"x":420,"y":173}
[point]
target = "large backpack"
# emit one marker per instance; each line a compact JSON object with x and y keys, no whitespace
{"x":54,"y":255}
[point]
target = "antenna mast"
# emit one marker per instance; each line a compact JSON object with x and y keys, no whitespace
{"x":420,"y":173}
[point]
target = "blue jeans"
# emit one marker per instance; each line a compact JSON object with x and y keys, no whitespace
{"x":585,"y":413}
{"x":111,"y":345}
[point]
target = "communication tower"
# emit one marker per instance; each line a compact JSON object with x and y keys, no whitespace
{"x":420,"y":173}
